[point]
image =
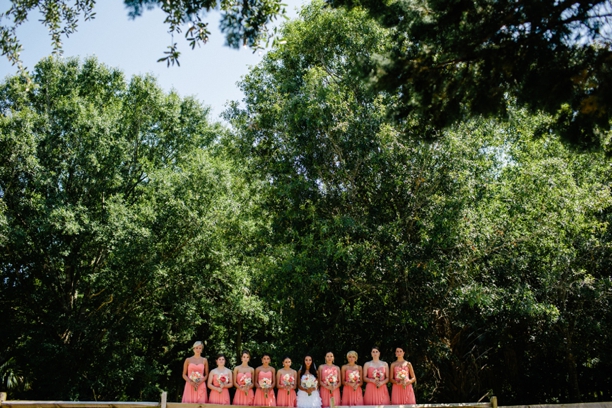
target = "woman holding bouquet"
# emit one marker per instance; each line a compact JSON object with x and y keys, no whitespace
{"x":219,"y":382}
{"x":376,"y":379}
{"x":264,"y":387}
{"x":243,"y":381}
{"x":195,"y":371}
{"x":352,"y":375}
{"x":402,"y":379}
{"x":329,"y":374}
{"x":308,"y":394}
{"x":286,"y":380}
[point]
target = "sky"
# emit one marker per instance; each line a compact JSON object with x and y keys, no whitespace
{"x":209,"y":73}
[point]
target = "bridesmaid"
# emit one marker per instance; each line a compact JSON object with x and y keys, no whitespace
{"x":329,"y":388}
{"x":195,"y":371}
{"x":402,"y":379}
{"x":219,"y":382}
{"x":265,"y":397}
{"x":376,"y":378}
{"x":286,"y":380}
{"x":352,"y":379}
{"x":243,"y":381}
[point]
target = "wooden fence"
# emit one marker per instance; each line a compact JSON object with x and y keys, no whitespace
{"x":4,"y":403}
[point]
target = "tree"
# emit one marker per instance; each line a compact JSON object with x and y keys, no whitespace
{"x":243,"y":23}
{"x":455,"y":59}
{"x":117,"y":214}
{"x":474,"y":251}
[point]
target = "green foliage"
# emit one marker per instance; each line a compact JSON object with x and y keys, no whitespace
{"x":455,"y":58}
{"x":115,"y":252}
{"x":473,"y":251}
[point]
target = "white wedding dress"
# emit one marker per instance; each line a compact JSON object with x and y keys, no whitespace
{"x":308,"y":401}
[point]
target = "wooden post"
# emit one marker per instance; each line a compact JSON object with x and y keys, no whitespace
{"x":2,"y":397}
{"x":493,"y":401}
{"x":164,"y":399}
{"x":332,"y":402}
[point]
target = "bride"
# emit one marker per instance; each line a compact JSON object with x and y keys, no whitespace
{"x":308,"y":394}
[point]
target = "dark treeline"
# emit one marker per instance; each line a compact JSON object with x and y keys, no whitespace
{"x":132,"y":225}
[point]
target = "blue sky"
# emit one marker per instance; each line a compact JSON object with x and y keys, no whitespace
{"x":209,"y":73}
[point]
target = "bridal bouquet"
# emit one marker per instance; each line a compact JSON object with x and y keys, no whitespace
{"x":402,"y":376}
{"x":223,"y":380}
{"x":196,"y":377}
{"x":308,"y":382}
{"x":288,"y":382}
{"x":265,"y":385}
{"x":354,"y":377}
{"x":244,"y":381}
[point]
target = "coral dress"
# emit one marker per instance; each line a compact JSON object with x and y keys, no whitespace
{"x":376,"y":395}
{"x":260,"y":399}
{"x":240,"y":398}
{"x":326,"y":372}
{"x":216,"y":397}
{"x":400,"y":394}
{"x":286,"y":398}
{"x":349,"y":395}
{"x":190,"y":394}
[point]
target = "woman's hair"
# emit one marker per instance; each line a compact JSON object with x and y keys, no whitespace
{"x":198,"y":343}
{"x":220,"y":355}
{"x":285,"y":357}
{"x":313,"y":367}
{"x":352,"y":353}
{"x":375,"y":348}
{"x":247,"y":352}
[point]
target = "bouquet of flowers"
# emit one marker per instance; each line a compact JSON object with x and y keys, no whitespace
{"x":354,"y":377}
{"x":288,"y":382}
{"x":308,"y":382}
{"x":378,"y":375}
{"x":196,"y":377}
{"x":265,"y":385}
{"x":402,"y":376}
{"x":223,"y":380}
{"x":331,"y":379}
{"x":244,"y":381}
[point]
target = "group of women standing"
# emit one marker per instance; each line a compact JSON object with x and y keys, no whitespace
{"x":315,"y":387}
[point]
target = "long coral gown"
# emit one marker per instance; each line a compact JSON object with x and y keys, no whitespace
{"x":400,"y":394}
{"x":260,"y":399}
{"x":190,"y":394}
{"x":350,"y":396}
{"x":286,"y":398}
{"x":240,"y":398}
{"x":326,"y":372}
{"x":216,"y":397}
{"x":376,"y":395}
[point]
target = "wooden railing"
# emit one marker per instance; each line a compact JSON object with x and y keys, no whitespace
{"x":4,"y":403}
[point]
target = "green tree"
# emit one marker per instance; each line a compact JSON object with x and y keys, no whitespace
{"x":473,"y":251}
{"x":456,"y":58}
{"x":116,"y":211}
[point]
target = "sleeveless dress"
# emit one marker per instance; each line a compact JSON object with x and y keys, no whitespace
{"x":350,"y":396}
{"x":402,"y":395}
{"x":216,"y":397}
{"x":260,"y":399}
{"x":240,"y":398}
{"x":376,"y":395}
{"x":308,"y":401}
{"x":190,"y":394}
{"x":284,"y":399}
{"x":326,"y":371}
